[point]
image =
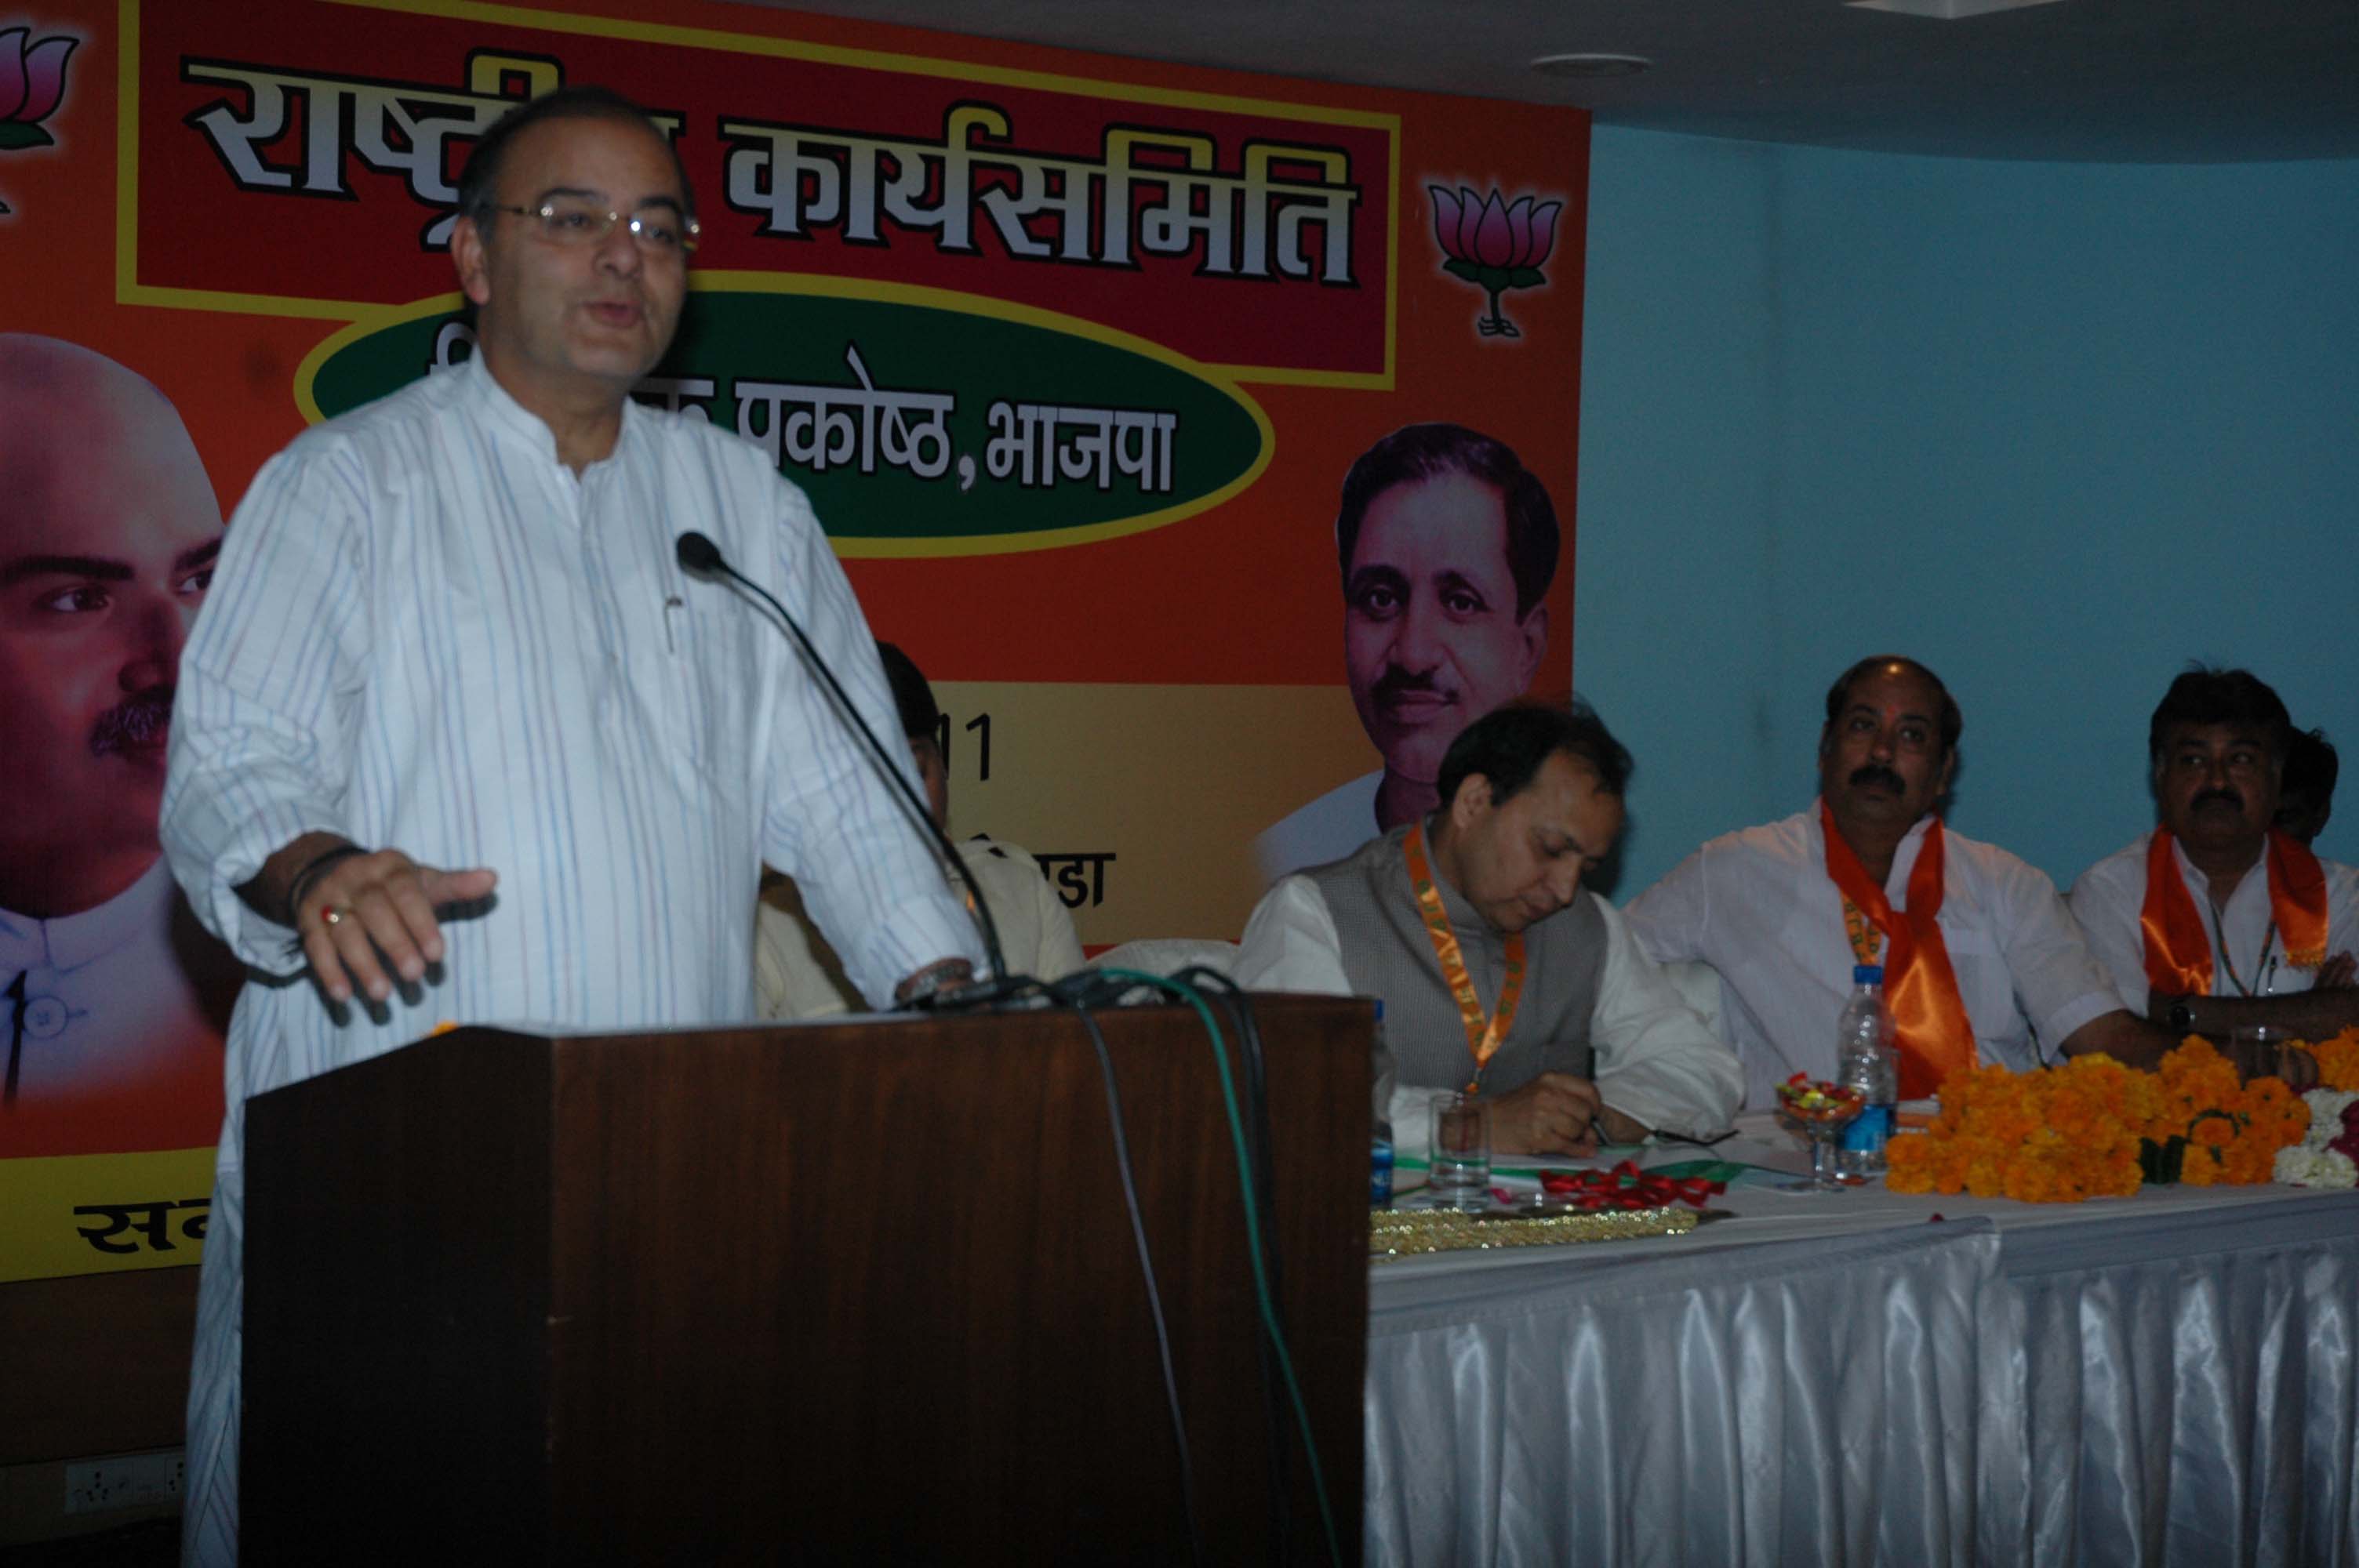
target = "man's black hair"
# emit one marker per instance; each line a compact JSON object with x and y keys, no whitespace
{"x":912,"y":698}
{"x":1507,"y":746}
{"x":1415,"y":453}
{"x":2310,"y":768}
{"x":1951,"y":723}
{"x":2203,"y":697}
{"x":479,"y":183}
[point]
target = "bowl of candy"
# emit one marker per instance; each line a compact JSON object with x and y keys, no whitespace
{"x":1819,"y":1110}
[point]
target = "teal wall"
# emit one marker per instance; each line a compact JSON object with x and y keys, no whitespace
{"x":2056,"y":429}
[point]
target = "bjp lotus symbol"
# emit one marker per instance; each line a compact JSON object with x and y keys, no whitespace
{"x":32,"y":85}
{"x":1494,"y":246}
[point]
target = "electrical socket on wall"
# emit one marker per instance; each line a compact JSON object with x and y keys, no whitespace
{"x":125,"y":1481}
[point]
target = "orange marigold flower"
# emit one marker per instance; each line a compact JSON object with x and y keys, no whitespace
{"x":1985,"y":1176}
{"x":2213,"y":1130}
{"x":2073,"y":1132}
{"x":1909,"y":1164}
{"x":2338,"y":1061}
{"x":2028,"y":1180}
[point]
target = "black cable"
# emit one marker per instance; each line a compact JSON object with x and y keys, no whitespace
{"x":1147,"y":1269}
{"x":1257,"y":1132}
{"x":1228,"y":993}
{"x":1265,"y":1301}
{"x":1106,"y":988}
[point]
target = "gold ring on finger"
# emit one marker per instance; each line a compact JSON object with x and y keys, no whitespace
{"x":334,"y":916}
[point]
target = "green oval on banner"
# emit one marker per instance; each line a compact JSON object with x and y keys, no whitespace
{"x":920,"y":422}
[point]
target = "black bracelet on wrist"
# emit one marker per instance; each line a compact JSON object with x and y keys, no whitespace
{"x":937,"y":975}
{"x":300,"y":884}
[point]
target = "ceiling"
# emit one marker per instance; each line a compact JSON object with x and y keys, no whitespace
{"x":2082,"y":80}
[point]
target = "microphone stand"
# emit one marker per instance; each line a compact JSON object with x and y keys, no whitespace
{"x":700,"y":558}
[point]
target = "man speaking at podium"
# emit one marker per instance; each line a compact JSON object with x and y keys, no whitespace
{"x":459,"y":739}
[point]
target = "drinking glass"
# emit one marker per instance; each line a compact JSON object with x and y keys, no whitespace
{"x":1460,"y":1172}
{"x":1819,"y":1113}
{"x":2258,"y":1050}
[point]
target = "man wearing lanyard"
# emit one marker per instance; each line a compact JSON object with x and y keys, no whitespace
{"x":1499,"y":973}
{"x":1979,"y":953}
{"x":2216,"y":919}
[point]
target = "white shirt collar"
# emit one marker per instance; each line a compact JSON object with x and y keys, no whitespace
{"x":69,"y":941}
{"x":479,"y":387}
{"x":2199,"y":885}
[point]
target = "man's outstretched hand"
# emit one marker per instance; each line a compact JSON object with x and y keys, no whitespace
{"x":359,"y":911}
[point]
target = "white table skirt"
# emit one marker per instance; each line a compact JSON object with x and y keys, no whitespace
{"x":2176,"y":1390}
{"x":2166,"y":1379}
{"x":1764,"y":1405}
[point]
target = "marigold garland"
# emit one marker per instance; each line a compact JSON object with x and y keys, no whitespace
{"x":2076,"y":1131}
{"x":2338,"y":1062}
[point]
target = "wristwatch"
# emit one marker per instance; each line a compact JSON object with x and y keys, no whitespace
{"x":2181,"y":1016}
{"x":942,"y":975}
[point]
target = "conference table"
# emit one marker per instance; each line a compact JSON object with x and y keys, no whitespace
{"x":1866,"y":1376}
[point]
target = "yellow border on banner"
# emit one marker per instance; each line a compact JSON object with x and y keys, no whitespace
{"x":914,"y":295}
{"x":129,"y":290}
{"x":47,"y":1240}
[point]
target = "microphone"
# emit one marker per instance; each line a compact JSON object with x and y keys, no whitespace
{"x":700,"y":558}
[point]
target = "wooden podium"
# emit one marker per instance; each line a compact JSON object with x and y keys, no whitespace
{"x":858,"y":1292}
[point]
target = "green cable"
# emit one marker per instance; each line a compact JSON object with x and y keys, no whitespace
{"x":1253,"y":1232}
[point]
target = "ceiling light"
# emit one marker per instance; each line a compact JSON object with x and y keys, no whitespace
{"x":1597,"y":65}
{"x":1944,"y":10}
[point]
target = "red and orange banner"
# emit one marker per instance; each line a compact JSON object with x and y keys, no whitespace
{"x":1073,"y":356}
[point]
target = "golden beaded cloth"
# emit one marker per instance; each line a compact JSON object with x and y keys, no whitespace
{"x":1403,"y":1233}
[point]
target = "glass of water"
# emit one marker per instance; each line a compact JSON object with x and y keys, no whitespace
{"x":1460,"y":1172}
{"x":2258,"y":1050}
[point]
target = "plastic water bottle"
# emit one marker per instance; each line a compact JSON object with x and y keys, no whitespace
{"x":1380,"y":1143}
{"x":1866,"y":1061}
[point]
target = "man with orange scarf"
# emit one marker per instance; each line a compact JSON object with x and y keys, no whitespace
{"x":1982,"y":962}
{"x":2216,"y":919}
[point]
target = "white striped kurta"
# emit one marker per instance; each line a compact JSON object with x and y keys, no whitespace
{"x":426,"y":633}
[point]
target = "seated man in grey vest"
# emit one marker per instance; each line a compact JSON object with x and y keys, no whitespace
{"x":1495,"y":967}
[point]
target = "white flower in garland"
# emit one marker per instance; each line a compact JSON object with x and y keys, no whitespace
{"x":2301,"y":1165}
{"x":2326,"y":1107}
{"x":2311,"y":1163}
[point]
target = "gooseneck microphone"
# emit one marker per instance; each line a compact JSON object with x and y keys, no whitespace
{"x":700,"y":557}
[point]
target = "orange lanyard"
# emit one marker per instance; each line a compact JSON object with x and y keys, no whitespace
{"x":1866,"y":941}
{"x":1483,"y":1037}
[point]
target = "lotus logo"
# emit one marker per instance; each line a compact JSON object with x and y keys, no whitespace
{"x":32,"y":85}
{"x":1494,"y":246}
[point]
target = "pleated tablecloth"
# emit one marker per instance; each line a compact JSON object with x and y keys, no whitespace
{"x":2164,"y":1380}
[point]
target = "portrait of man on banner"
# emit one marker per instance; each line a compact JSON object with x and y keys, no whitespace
{"x":1446,"y":546}
{"x":112,"y":1002}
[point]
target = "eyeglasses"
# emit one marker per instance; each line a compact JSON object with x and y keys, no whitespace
{"x":659,"y":231}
